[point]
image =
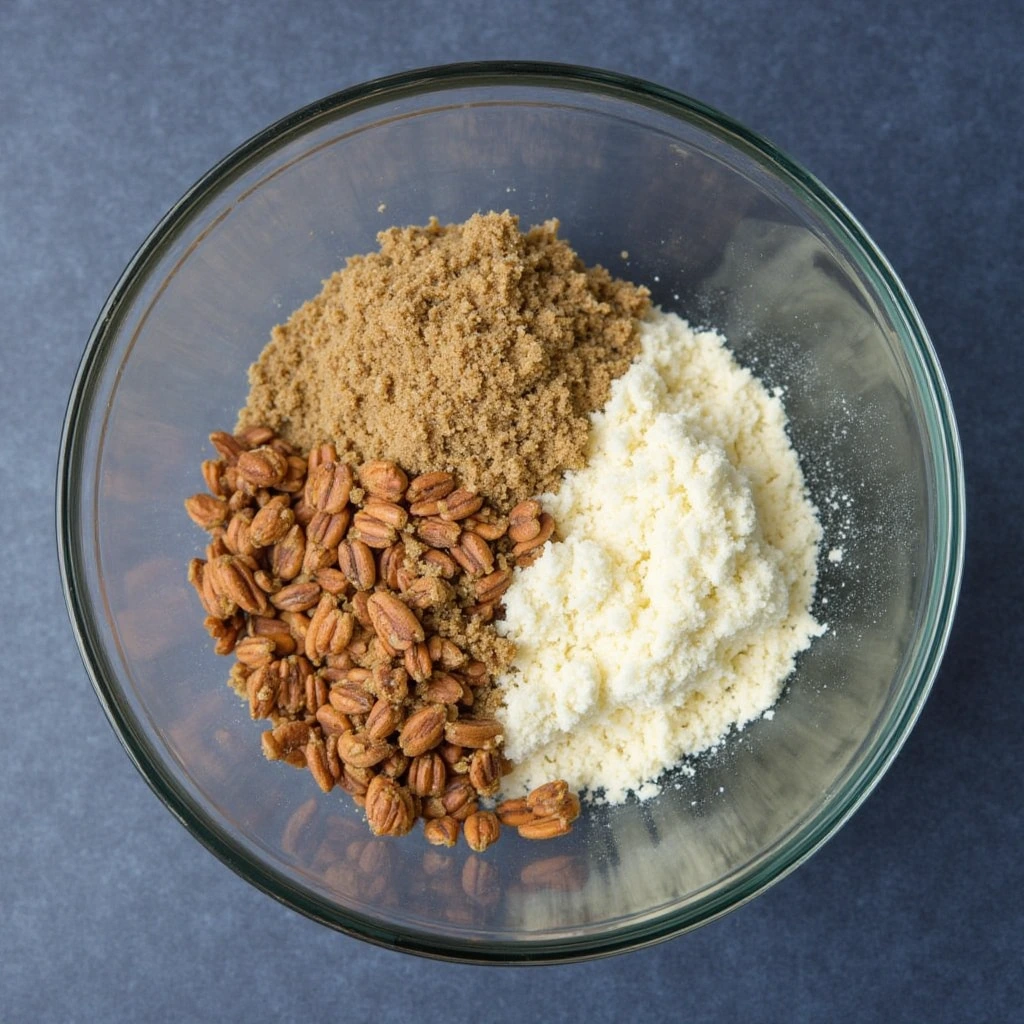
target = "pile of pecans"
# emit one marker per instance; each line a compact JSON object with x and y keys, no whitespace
{"x":342,"y":593}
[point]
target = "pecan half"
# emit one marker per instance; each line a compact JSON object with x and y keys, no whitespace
{"x":393,"y":621}
{"x":472,"y":732}
{"x":441,"y":831}
{"x":460,"y":504}
{"x":481,"y":829}
{"x":328,"y":487}
{"x":422,"y":730}
{"x":262,"y":467}
{"x":355,"y":560}
{"x":389,"y":807}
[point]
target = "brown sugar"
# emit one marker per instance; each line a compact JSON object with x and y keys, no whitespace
{"x":474,"y":348}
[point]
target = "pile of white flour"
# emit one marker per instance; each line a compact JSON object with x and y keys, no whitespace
{"x":680,"y":594}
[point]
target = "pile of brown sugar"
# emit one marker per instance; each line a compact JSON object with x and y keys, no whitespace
{"x":470,"y":347}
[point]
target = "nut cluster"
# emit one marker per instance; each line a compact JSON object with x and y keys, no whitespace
{"x":342,"y":593}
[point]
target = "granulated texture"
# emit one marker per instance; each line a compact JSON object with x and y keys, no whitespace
{"x":471,"y":347}
{"x":674,"y":606}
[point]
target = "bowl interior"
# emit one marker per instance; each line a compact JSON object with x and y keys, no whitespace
{"x":724,"y":234}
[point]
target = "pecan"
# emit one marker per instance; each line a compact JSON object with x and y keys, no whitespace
{"x":261,"y":691}
{"x":239,"y":500}
{"x":298,"y":626}
{"x":485,"y":772}
{"x":429,"y":592}
{"x":317,"y":557}
{"x":319,"y":455}
{"x":255,"y":651}
{"x":437,"y":533}
{"x":473,"y":554}
{"x":295,"y":479}
{"x":432,"y":807}
{"x":472,"y":732}
{"x":360,"y":608}
{"x":350,"y":698}
{"x":524,"y":521}
{"x":430,"y":487}
{"x":328,"y":487}
{"x":238,"y":535}
{"x":292,"y":673}
{"x":227,"y":447}
{"x":233,"y":579}
{"x":331,"y":720}
{"x":427,"y":775}
{"x":547,"y":527}
{"x":491,"y":587}
{"x":386,"y":512}
{"x":394,"y":766}
{"x":224,"y":632}
{"x":451,"y":655}
{"x":273,"y":629}
{"x":390,"y":684}
{"x":287,"y":555}
{"x":355,"y":781}
{"x":255,"y":435}
{"x":262,"y":467}
{"x":442,"y":688}
{"x":422,"y":730}
{"x":271,"y":522}
{"x":358,"y":750}
{"x":418,"y":662}
{"x":389,"y":807}
{"x":328,"y":528}
{"x":390,"y":562}
{"x":297,"y":597}
{"x":317,"y":689}
{"x":459,"y":798}
{"x":316,"y":762}
{"x":476,"y":673}
{"x":212,"y":470}
{"x":554,"y":798}
{"x":514,"y":812}
{"x":285,"y":739}
{"x":450,"y":753}
{"x":375,"y":533}
{"x":441,"y":561}
{"x":212,"y":604}
{"x":441,"y":831}
{"x":207,"y":511}
{"x":482,"y":830}
{"x":544,"y":828}
{"x":355,"y":560}
{"x":393,"y":621}
{"x":304,"y":512}
{"x":383,"y":720}
{"x":487,"y":529}
{"x":334,"y":581}
{"x":460,"y":504}
{"x":330,"y":630}
{"x":383,"y":479}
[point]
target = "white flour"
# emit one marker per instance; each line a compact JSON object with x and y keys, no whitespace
{"x":675,"y":605}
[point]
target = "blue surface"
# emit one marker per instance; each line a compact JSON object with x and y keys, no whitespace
{"x":911,"y":112}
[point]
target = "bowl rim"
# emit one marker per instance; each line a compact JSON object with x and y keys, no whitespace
{"x":945,"y":577}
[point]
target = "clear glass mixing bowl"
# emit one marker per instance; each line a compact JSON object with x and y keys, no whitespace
{"x":726,"y":231}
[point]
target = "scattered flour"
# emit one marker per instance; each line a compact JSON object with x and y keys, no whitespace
{"x":679,"y":597}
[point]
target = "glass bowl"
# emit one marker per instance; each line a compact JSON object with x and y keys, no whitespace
{"x":727,"y":232}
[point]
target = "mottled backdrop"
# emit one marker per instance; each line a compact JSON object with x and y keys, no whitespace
{"x":910,"y":111}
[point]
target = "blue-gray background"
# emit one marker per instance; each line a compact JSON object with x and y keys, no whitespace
{"x":910,"y":111}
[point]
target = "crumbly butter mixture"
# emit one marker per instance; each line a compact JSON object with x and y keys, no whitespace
{"x":680,"y":595}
